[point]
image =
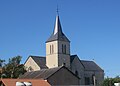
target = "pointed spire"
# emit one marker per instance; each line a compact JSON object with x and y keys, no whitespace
{"x":57,"y":28}
{"x":57,"y":33}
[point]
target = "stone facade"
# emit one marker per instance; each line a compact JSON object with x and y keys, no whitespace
{"x":54,"y":50}
{"x":31,"y":65}
{"x":99,"y":77}
{"x":78,"y":69}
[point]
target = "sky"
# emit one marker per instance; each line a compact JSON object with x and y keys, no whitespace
{"x":92,"y":26}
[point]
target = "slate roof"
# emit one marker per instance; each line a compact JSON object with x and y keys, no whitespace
{"x":43,"y":73}
{"x":72,"y":58}
{"x":35,"y":82}
{"x":41,"y":61}
{"x":57,"y":33}
{"x":88,"y":65}
{"x":91,"y":66}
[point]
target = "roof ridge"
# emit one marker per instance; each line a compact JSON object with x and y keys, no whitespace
{"x":46,"y":70}
{"x":87,"y":60}
{"x":91,"y":65}
{"x":74,"y":55}
{"x":36,"y":56}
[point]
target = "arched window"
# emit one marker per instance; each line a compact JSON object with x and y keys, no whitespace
{"x":52,"y":49}
{"x":62,"y":48}
{"x":65,"y":49}
{"x":76,"y":72}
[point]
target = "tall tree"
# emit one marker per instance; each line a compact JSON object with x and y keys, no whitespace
{"x":13,"y":69}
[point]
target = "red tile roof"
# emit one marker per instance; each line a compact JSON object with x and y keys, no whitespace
{"x":35,"y":82}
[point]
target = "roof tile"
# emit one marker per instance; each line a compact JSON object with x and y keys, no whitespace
{"x":35,"y":82}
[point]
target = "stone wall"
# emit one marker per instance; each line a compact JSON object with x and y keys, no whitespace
{"x":99,"y":76}
{"x":56,"y":58}
{"x":77,"y":66}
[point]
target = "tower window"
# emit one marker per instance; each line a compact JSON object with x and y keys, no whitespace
{"x":64,"y":49}
{"x":52,"y":49}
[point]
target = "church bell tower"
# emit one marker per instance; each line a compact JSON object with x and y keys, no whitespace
{"x":57,"y":47}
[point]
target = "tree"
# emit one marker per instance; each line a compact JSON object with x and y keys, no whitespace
{"x":1,"y":65}
{"x":111,"y":81}
{"x":1,"y":62}
{"x":13,"y":69}
{"x":107,"y":82}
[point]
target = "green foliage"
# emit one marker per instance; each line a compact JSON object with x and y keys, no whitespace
{"x":13,"y":69}
{"x":111,"y":81}
{"x":1,"y":62}
{"x":108,"y":82}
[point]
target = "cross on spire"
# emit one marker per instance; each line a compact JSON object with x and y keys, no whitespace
{"x":57,"y":10}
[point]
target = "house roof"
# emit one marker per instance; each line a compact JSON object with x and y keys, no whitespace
{"x":57,"y":33}
{"x":35,"y":82}
{"x":43,"y":73}
{"x":91,"y":66}
{"x":40,"y":61}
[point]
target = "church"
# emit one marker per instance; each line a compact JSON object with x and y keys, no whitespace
{"x":59,"y":67}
